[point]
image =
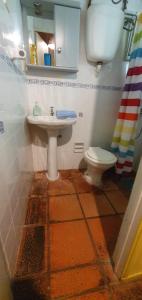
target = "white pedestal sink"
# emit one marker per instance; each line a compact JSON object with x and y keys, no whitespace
{"x":52,"y":125}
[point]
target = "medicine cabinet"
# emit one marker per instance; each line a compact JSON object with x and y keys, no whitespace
{"x":51,"y":35}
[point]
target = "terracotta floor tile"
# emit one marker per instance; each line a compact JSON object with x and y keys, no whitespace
{"x":64,"y":208}
{"x":109,"y":185}
{"x":40,"y":175}
{"x":60,"y":187}
{"x":105,"y":232}
{"x":36,"y":213}
{"x":95,"y":204}
{"x":81,"y":185}
{"x":101,"y":295}
{"x":71,"y":173}
{"x":109,"y":273}
{"x":70,"y":245}
{"x":118,"y":200}
{"x":39,"y":187}
{"x":65,"y":174}
{"x":34,"y":288}
{"x":31,"y":256}
{"x":128,"y":291}
{"x":75,"y":281}
{"x":76,"y":173}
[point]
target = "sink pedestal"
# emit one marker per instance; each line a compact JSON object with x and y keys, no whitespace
{"x":52,"y":165}
{"x":52,"y":125}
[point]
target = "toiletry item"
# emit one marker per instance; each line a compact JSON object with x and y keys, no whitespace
{"x":33,"y":54}
{"x":52,"y":111}
{"x":47,"y":59}
{"x":64,"y":114}
{"x":36,"y":110}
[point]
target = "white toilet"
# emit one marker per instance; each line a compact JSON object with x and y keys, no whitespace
{"x":98,"y":160}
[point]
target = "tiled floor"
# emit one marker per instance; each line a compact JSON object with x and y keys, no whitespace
{"x":68,"y":239}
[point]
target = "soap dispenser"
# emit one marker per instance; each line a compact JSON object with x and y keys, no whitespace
{"x":36,"y":110}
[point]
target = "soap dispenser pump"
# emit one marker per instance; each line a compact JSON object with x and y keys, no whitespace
{"x":36,"y":110}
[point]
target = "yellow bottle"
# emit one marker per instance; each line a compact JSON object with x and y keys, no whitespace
{"x":33,"y":55}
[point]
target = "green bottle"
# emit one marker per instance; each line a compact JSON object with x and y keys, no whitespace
{"x":36,"y":110}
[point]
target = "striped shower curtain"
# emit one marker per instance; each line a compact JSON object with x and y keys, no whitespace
{"x":123,"y":143}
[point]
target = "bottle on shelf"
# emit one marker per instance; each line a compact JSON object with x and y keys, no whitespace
{"x":33,"y":54}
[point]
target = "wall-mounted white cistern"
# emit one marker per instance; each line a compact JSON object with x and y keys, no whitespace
{"x":52,"y":126}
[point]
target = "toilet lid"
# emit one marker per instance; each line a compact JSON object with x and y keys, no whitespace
{"x":100,"y":155}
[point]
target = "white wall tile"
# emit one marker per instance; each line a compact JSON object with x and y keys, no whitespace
{"x":15,"y":151}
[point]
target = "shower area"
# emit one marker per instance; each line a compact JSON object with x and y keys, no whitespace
{"x":126,"y":139}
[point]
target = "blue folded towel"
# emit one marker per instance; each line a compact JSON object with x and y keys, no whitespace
{"x":64,"y":114}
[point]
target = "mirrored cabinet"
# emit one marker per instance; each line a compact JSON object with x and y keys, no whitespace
{"x":51,"y":35}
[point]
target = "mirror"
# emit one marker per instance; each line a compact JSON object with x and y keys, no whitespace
{"x":51,"y":34}
{"x":41,"y":35}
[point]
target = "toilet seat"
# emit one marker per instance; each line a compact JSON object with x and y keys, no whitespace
{"x":100,"y":155}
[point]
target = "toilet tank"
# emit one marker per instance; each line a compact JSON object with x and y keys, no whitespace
{"x":103,"y":30}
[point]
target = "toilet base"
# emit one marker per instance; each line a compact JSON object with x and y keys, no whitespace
{"x":97,"y":167}
{"x":93,"y":178}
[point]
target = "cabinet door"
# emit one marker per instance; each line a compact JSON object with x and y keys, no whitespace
{"x":67,"y":27}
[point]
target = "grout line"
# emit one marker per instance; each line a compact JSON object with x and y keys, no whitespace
{"x":37,"y":199}
{"x":65,"y":221}
{"x":80,"y":266}
{"x":109,"y":202}
{"x":61,"y":195}
{"x":92,"y":241}
{"x":88,"y":218}
{"x":34,"y":225}
{"x":29,"y":275}
{"x":81,"y":294}
{"x":116,"y":212}
{"x":42,"y":197}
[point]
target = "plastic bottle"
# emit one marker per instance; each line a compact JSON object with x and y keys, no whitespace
{"x":36,"y":110}
{"x":33,"y":55}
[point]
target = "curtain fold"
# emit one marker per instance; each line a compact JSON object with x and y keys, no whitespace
{"x":123,"y":142}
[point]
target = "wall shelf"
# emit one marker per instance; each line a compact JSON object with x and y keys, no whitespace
{"x":51,"y":68}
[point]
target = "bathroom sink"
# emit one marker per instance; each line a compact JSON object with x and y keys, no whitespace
{"x":50,"y":122}
{"x":52,"y":125}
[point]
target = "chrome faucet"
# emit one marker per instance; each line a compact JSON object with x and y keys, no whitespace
{"x":51,"y":111}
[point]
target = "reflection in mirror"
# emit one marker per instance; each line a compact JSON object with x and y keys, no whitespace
{"x":41,"y":34}
{"x":128,"y":33}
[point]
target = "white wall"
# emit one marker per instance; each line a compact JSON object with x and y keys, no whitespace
{"x":15,"y":147}
{"x":97,"y":97}
{"x":134,"y":5}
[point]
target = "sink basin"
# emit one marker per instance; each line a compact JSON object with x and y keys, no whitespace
{"x":49,"y":122}
{"x":52,"y":125}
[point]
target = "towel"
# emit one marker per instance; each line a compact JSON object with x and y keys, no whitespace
{"x":64,"y":114}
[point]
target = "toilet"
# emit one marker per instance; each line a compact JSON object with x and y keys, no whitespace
{"x":98,"y":160}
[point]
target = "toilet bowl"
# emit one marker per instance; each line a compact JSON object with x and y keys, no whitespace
{"x":98,"y":160}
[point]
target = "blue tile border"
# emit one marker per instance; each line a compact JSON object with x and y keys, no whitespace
{"x":79,"y":85}
{"x":57,"y":83}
